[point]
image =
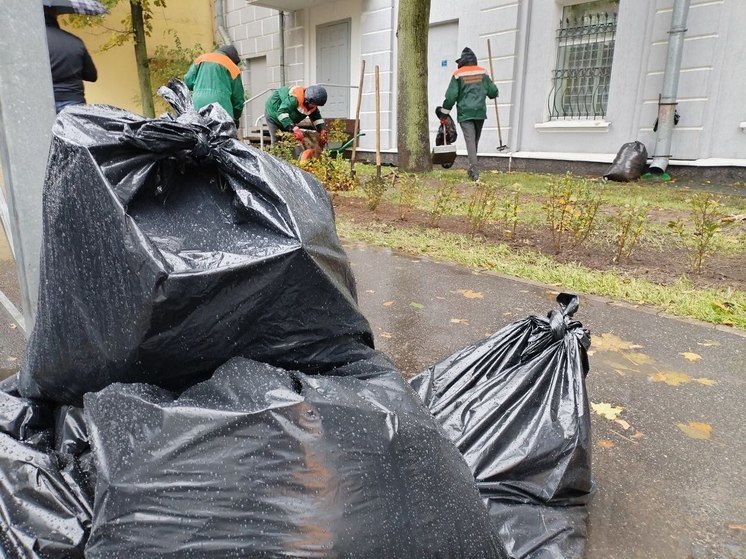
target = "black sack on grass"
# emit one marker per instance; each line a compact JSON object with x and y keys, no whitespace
{"x":286,"y":465}
{"x":169,"y":247}
{"x":45,"y":510}
{"x":629,"y":163}
{"x":515,"y":405}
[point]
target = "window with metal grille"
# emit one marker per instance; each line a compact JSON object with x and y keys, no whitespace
{"x":585,"y":51}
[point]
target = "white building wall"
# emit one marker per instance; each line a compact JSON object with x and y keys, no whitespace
{"x":479,"y":20}
{"x":522,"y":35}
{"x":377,"y":47}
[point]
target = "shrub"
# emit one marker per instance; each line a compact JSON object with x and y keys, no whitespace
{"x":482,"y":205}
{"x":629,"y":223}
{"x":571,"y":208}
{"x":409,"y":192}
{"x":703,"y":237}
{"x":444,"y":203}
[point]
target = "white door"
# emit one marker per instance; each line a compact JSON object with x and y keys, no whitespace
{"x":333,"y":66}
{"x":442,"y":52}
{"x":255,"y":83}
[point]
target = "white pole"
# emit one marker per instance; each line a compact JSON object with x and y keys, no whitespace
{"x":26,"y":118}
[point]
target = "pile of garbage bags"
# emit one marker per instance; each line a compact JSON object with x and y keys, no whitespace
{"x":200,"y":381}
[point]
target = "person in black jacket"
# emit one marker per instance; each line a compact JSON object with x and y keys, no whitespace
{"x":70,"y":62}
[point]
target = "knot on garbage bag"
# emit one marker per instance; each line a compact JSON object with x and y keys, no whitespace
{"x":561,"y":320}
{"x":187,"y":135}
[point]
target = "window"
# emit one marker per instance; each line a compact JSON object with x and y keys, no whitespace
{"x":585,"y":50}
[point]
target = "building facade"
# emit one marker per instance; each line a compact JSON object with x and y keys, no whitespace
{"x":577,"y":79}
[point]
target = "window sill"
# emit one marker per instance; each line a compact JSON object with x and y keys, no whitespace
{"x":573,"y":125}
{"x":742,"y":126}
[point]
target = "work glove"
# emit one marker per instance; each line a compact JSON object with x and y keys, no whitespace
{"x":322,"y":138}
{"x":298,"y":133}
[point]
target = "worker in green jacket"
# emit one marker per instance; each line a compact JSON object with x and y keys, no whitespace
{"x":287,"y":106}
{"x":216,"y":78}
{"x":469,"y":87}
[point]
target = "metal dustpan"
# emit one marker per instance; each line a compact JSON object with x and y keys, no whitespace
{"x":444,"y":155}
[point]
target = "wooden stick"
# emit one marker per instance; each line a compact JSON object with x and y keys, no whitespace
{"x":497,"y":112}
{"x":378,"y":126}
{"x":357,"y":119}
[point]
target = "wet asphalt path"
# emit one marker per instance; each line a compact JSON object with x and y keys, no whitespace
{"x":668,"y":456}
{"x":668,"y":453}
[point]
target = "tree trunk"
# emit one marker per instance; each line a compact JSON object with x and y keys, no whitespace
{"x":141,"y":58}
{"x":412,"y":127}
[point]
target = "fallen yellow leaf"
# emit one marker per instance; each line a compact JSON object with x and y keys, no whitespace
{"x":388,"y":303}
{"x":606,"y":443}
{"x":369,"y":291}
{"x":13,"y":326}
{"x":607,"y":410}
{"x":637,"y":435}
{"x":460,"y":321}
{"x":691,"y":356}
{"x":672,"y":378}
{"x":386,"y":335}
{"x":610,"y":342}
{"x":469,"y":294}
{"x":695,"y":430}
{"x":736,"y":526}
{"x":709,"y":343}
{"x":706,"y":381}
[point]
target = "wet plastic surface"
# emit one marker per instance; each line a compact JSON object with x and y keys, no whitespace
{"x":629,"y":163}
{"x":516,"y":407}
{"x":287,"y":465}
{"x":169,"y":247}
{"x":45,"y":509}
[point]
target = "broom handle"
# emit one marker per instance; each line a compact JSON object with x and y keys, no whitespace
{"x":378,"y":127}
{"x":497,"y":112}
{"x":357,"y":119}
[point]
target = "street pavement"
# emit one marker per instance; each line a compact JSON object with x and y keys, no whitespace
{"x":668,"y":452}
{"x":668,"y":456}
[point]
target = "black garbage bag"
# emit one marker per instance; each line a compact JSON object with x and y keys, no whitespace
{"x":515,"y":405}
{"x":629,"y":163}
{"x":45,"y":511}
{"x":447,"y":133}
{"x":287,"y":465}
{"x":169,"y":247}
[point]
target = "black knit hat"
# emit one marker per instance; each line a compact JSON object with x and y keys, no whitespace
{"x":231,"y":52}
{"x":467,"y":58}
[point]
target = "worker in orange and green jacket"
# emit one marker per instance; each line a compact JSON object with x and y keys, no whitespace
{"x":287,"y":106}
{"x":216,"y":78}
{"x":469,"y":88}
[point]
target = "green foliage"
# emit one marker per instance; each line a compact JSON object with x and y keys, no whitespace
{"x":444,"y":202}
{"x":629,"y":223}
{"x":408,"y":193}
{"x":125,"y":32}
{"x":284,"y":148}
{"x":333,"y":172}
{"x":703,"y":237}
{"x":374,"y":188}
{"x":482,"y":205}
{"x":509,"y":210}
{"x":170,"y":62}
{"x":335,"y":130}
{"x":571,"y":208}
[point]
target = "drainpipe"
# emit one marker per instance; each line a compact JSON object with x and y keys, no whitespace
{"x":667,"y":104}
{"x":283,"y":77}
{"x":223,"y":37}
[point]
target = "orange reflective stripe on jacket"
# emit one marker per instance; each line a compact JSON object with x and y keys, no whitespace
{"x":470,"y":74}
{"x":299,"y":92}
{"x":223,"y":60}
